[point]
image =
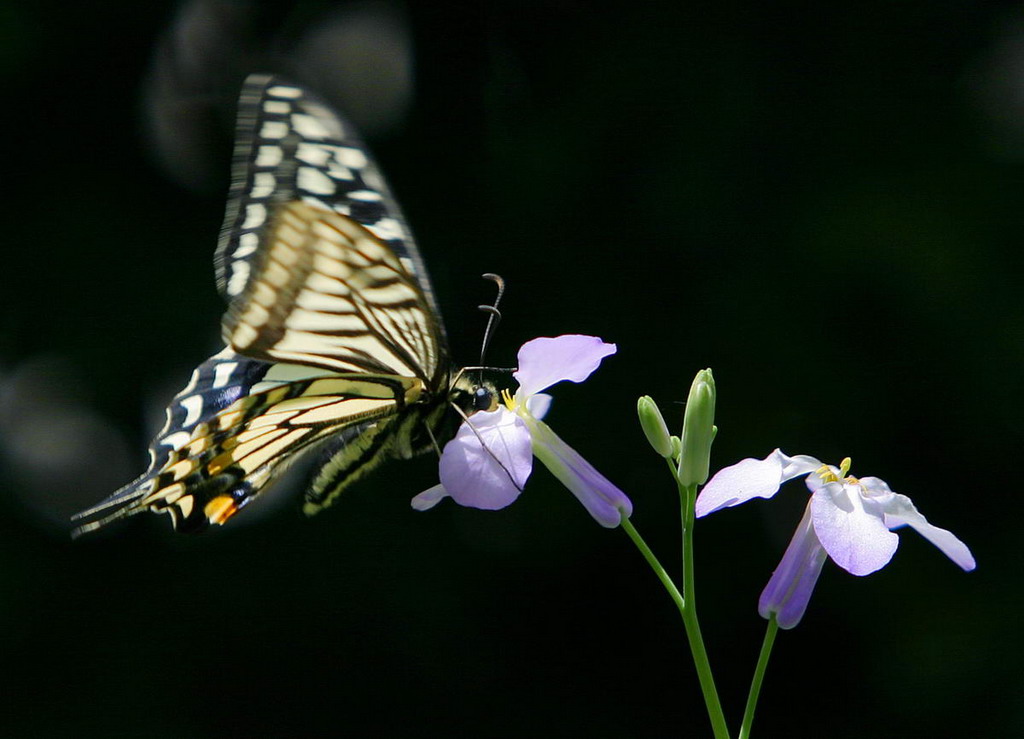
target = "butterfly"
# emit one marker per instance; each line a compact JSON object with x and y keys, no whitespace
{"x":334,"y":346}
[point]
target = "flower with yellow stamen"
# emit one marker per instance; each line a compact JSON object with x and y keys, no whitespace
{"x":491,"y":456}
{"x":847,"y":519}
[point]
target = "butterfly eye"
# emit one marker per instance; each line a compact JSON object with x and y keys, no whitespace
{"x":484,"y":399}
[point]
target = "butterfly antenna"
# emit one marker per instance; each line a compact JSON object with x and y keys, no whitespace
{"x":494,"y":314}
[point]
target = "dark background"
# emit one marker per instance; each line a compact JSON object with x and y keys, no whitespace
{"x":823,"y":202}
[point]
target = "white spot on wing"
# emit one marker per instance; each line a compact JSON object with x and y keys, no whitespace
{"x":313,"y":154}
{"x":247,"y":244}
{"x":239,"y":276}
{"x":263,"y":185}
{"x":193,"y":406}
{"x":269,"y":155}
{"x":276,"y":106}
{"x":308,"y":126}
{"x":326,"y":118}
{"x":387,"y":229}
{"x":315,"y":181}
{"x":373,"y":179}
{"x":339,"y":173}
{"x":367,"y":195}
{"x":176,"y":441}
{"x":274,"y":130}
{"x":284,"y":91}
{"x":255,"y":215}
{"x":349,"y":157}
{"x":243,"y":335}
{"x":222,"y":373}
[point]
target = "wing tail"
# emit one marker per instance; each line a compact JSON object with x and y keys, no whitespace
{"x":125,"y":502}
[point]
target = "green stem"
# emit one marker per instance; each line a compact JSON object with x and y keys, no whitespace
{"x":670,"y":586}
{"x":687,"y":497}
{"x":755,"y":685}
{"x":686,"y":606}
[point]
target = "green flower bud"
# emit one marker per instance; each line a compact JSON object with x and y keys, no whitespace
{"x":653,"y":424}
{"x":698,"y":430}
{"x":677,"y":448}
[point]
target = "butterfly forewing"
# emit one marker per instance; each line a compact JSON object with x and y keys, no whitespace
{"x":291,"y":146}
{"x":329,"y":293}
{"x":333,"y":339}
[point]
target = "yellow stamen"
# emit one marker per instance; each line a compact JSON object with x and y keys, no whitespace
{"x":827,"y":475}
{"x":508,"y":400}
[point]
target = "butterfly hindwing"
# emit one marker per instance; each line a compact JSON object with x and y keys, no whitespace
{"x":223,"y":443}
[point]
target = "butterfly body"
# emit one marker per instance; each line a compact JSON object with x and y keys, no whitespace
{"x":333,"y":342}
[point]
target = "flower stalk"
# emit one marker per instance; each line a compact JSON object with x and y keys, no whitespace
{"x":755,"y":683}
{"x":687,"y":497}
{"x":688,"y":462}
{"x":659,"y":570}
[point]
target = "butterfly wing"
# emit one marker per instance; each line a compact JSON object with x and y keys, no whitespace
{"x":214,"y":457}
{"x":332,"y":335}
{"x":291,"y":146}
{"x":329,"y":293}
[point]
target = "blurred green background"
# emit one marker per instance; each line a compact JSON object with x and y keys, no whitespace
{"x":823,"y":202}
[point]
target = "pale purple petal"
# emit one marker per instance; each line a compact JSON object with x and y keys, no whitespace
{"x":537,"y":405}
{"x":900,"y":511}
{"x":605,"y":502}
{"x":743,"y":481}
{"x":545,"y":361}
{"x":851,"y":529}
{"x":488,"y":461}
{"x":789,"y":589}
{"x":875,"y":487}
{"x":429,"y":498}
{"x":798,"y":464}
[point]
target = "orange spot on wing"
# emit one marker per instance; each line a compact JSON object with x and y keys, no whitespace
{"x":220,"y":509}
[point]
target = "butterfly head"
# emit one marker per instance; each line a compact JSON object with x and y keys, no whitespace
{"x":471,"y":394}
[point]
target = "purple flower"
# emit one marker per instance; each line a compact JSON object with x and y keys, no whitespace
{"x":848,"y":519}
{"x":487,"y":463}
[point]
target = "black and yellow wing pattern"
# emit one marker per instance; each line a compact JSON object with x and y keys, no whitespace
{"x":332,"y":337}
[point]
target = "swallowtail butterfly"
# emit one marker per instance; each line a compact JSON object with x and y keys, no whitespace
{"x":334,"y":344}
